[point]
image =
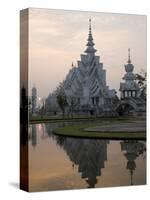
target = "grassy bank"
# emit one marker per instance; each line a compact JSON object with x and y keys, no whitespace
{"x":78,"y":131}
{"x":53,"y":119}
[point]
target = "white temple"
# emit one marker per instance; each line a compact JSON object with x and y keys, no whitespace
{"x":86,"y":91}
{"x":87,"y":81}
{"x":85,"y":85}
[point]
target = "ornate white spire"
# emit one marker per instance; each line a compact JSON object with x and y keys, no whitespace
{"x":129,"y":67}
{"x":90,"y":44}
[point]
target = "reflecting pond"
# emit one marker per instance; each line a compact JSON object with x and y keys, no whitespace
{"x":57,"y":163}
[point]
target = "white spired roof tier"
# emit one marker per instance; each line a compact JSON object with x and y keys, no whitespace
{"x":88,"y":78}
{"x":129,"y":77}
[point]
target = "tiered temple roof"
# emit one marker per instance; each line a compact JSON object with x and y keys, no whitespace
{"x":129,"y":87}
{"x":88,"y":79}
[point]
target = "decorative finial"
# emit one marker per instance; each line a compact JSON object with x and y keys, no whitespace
{"x":89,"y":25}
{"x":90,"y":44}
{"x":90,"y":29}
{"x":129,"y":60}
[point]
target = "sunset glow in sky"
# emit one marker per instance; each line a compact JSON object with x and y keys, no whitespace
{"x":58,"y":37}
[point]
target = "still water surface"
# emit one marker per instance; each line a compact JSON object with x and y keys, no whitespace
{"x":70,"y":163}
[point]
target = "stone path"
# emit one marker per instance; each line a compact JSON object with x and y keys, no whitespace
{"x":137,"y":126}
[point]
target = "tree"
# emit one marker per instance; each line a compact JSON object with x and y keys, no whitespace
{"x":42,"y":110}
{"x":62,"y":102}
{"x":73,"y":102}
{"x":141,"y":79}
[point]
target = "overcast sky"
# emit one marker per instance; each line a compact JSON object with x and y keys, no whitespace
{"x":58,"y":37}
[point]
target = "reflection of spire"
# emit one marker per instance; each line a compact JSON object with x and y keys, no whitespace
{"x":90,"y":44}
{"x":44,"y":133}
{"x":131,"y":173}
{"x":132,"y":149}
{"x":34,"y":136}
{"x":91,"y":182}
{"x":72,"y":165}
{"x":131,"y":165}
{"x":129,"y":60}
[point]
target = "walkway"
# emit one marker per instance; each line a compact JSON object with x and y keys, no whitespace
{"x":136,"y":126}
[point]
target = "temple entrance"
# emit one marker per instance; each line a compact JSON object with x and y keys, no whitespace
{"x":125,"y":109}
{"x":92,"y":112}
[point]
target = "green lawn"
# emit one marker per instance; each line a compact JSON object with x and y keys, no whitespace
{"x":42,"y":119}
{"x":78,"y":131}
{"x":52,"y":119}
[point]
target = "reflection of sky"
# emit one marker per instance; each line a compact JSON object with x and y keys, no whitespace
{"x":57,"y":38}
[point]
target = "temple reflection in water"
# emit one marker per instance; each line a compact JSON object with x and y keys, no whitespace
{"x":88,"y":154}
{"x":88,"y":157}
